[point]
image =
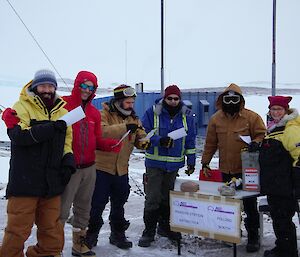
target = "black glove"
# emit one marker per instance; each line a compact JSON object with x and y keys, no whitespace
{"x":253,"y":146}
{"x":132,"y":127}
{"x":190,"y":169}
{"x":60,"y":125}
{"x":166,"y":142}
{"x":66,"y":173}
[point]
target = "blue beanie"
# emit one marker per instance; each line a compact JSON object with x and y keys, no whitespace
{"x":44,"y":77}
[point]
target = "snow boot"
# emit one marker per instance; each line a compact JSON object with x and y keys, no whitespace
{"x":276,"y":252}
{"x":91,"y":238}
{"x":253,"y":244}
{"x":164,"y":230}
{"x":150,"y":220}
{"x":117,"y":235}
{"x":80,"y":247}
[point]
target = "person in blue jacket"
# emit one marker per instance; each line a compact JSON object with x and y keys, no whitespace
{"x":163,"y":160}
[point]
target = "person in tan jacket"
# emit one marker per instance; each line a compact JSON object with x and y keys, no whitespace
{"x":225,"y":127}
{"x":118,"y":118}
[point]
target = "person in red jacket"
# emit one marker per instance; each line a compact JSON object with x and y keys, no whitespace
{"x":86,"y":139}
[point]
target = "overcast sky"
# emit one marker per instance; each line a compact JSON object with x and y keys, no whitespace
{"x":208,"y":42}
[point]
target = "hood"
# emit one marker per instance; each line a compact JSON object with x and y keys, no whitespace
{"x":231,"y":87}
{"x":82,"y":77}
{"x":289,"y":119}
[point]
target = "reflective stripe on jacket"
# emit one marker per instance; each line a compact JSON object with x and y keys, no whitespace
{"x":156,"y":117}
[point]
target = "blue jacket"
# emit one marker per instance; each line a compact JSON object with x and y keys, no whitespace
{"x":169,"y":159}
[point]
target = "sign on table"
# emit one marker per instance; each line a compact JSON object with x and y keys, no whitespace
{"x":209,"y":216}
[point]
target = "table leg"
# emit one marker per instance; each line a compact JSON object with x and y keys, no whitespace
{"x":179,"y":246}
{"x":234,"y":250}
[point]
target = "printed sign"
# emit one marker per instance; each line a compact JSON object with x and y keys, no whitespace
{"x":251,"y":179}
{"x":210,"y":216}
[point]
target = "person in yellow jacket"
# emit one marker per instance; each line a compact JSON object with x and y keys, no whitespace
{"x":225,"y":127}
{"x":280,"y":173}
{"x":41,"y":165}
{"x":112,"y":182}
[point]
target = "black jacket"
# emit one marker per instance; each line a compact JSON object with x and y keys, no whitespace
{"x":276,"y":166}
{"x":37,"y":162}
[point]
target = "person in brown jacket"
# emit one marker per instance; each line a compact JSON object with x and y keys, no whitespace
{"x":118,"y":118}
{"x":225,"y":127}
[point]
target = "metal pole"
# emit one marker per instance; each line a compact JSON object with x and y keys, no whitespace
{"x":274,"y":50}
{"x":162,"y":87}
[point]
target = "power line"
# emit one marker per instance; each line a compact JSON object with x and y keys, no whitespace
{"x":35,"y":40}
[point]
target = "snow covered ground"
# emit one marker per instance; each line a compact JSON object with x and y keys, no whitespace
{"x":191,"y":245}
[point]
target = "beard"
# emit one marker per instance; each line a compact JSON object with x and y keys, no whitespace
{"x":48,"y":99}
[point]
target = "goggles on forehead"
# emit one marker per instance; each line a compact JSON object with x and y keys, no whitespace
{"x":128,"y":91}
{"x":85,"y":86}
{"x":234,"y":99}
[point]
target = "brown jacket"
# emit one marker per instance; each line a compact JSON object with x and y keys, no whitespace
{"x":223,"y":133}
{"x":114,"y":126}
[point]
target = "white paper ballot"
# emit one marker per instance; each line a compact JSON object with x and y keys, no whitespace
{"x":178,"y":133}
{"x":246,"y":139}
{"x":122,"y":138}
{"x":149,"y":135}
{"x":73,"y":116}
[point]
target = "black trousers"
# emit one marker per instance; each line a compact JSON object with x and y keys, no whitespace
{"x":282,"y":210}
{"x":250,"y":208}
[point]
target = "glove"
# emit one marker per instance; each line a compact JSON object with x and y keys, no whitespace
{"x":132,"y":127}
{"x":253,"y":146}
{"x":206,"y":170}
{"x":144,"y":144}
{"x":190,"y":170}
{"x":9,"y":116}
{"x":166,"y":142}
{"x":66,"y":173}
{"x":60,"y":125}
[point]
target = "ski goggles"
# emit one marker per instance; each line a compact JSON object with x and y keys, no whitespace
{"x":85,"y":86}
{"x":234,"y":99}
{"x":127,"y":91}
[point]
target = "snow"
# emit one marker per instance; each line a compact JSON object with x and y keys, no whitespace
{"x":191,"y":245}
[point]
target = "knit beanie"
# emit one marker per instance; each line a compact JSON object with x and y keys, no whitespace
{"x":44,"y":77}
{"x":123,"y":91}
{"x":282,"y":101}
{"x":173,"y":89}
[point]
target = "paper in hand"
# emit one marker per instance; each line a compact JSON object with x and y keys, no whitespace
{"x":149,"y":135}
{"x":178,"y":133}
{"x":246,"y":139}
{"x":73,"y":116}
{"x":122,"y":138}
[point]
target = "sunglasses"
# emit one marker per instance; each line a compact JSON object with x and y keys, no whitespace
{"x":172,"y":98}
{"x":85,"y":86}
{"x":234,"y":99}
{"x":128,"y":91}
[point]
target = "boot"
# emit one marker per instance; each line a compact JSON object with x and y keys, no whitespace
{"x":117,"y":235}
{"x":91,"y":238}
{"x":80,"y":247}
{"x":253,"y":244}
{"x":276,"y":252}
{"x":147,"y":238}
{"x":165,"y":231}
{"x":150,"y":220}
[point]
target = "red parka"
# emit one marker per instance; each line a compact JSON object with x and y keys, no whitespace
{"x":87,"y":135}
